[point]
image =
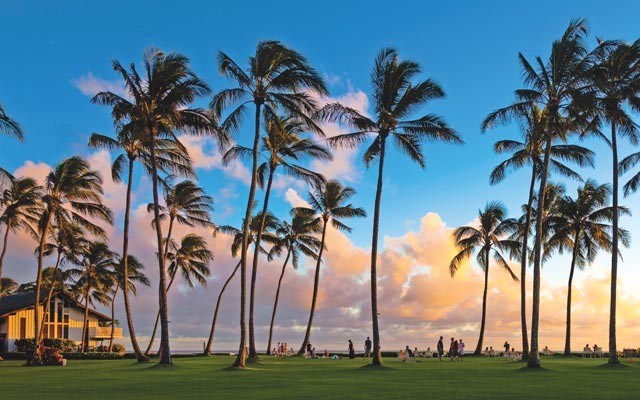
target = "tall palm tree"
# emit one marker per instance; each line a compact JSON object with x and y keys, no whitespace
{"x":396,"y":99}
{"x":94,"y":280}
{"x":277,"y":78}
{"x":529,"y":153}
{"x":296,"y":237}
{"x":10,"y":127}
{"x":281,"y":146}
{"x":172,"y":157}
{"x":158,"y":109}
{"x":187,"y":204}
{"x":327,"y":204}
{"x":491,"y":240}
{"x":135,"y":275}
{"x":553,"y":86}
{"x":19,"y":210}
{"x":614,"y":89}
{"x":72,"y":192}
{"x":582,"y":227}
{"x":270,"y":224}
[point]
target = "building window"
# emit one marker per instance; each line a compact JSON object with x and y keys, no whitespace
{"x":23,"y":328}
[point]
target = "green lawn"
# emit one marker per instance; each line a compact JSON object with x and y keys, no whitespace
{"x":200,"y":378}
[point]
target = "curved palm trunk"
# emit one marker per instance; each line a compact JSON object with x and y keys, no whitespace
{"x":173,"y":277}
{"x":377,"y":357}
{"x":523,"y":268}
{"x":36,"y":315}
{"x":165,"y":358}
{"x":5,"y":241}
{"x":534,"y":357}
{"x":478,"y":350}
{"x":86,"y":315}
{"x":147,"y":352}
{"x":613,"y":351}
{"x":314,"y":297}
{"x":240,"y":360}
{"x":45,"y":311}
{"x":275,"y":302}
{"x":574,"y":257}
{"x":125,"y":267}
{"x":209,"y":347}
{"x":113,"y":317}
{"x":253,"y":355}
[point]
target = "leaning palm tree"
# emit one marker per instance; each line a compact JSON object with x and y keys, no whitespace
{"x":19,"y":210}
{"x":491,"y":240}
{"x":552,"y":85}
{"x":614,"y":89}
{"x":94,"y":281}
{"x":269,"y":226}
{"x":191,"y":259}
{"x":172,"y":157}
{"x":282,"y":146}
{"x":296,"y":237}
{"x":10,"y":127}
{"x":581,"y":226}
{"x":72,"y":192}
{"x":396,"y":99}
{"x":135,"y":275}
{"x":278,"y":78}
{"x":529,"y":153}
{"x":327,"y":204}
{"x":186,"y":204}
{"x":158,"y":109}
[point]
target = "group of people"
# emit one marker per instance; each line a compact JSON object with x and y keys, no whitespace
{"x":456,"y":349}
{"x":281,"y":350}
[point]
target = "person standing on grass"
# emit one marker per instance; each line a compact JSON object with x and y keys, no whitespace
{"x":352,"y":352}
{"x":507,"y":347}
{"x":440,"y":349}
{"x":454,"y":356}
{"x":451,"y":349}
{"x":461,"y":349}
{"x":367,"y":347}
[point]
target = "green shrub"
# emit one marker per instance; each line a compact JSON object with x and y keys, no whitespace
{"x":93,"y":356}
{"x":27,"y":345}
{"x":118,"y":348}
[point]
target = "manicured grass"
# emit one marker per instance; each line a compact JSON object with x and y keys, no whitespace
{"x":200,"y":378}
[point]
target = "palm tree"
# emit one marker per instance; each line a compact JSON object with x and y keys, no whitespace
{"x":396,"y":99}
{"x":19,"y":210}
{"x":327,"y":205}
{"x":158,"y":110}
{"x":281,"y":146}
{"x":72,"y":192}
{"x":95,"y":279}
{"x":134,"y":272}
{"x":270,"y":224}
{"x":296,"y":237}
{"x":278,"y":78}
{"x":171,"y":157}
{"x":525,"y":153}
{"x":7,"y":286}
{"x":614,"y":88}
{"x":553,"y":86}
{"x":187,"y":204}
{"x":582,"y":227}
{"x":490,"y":238}
{"x":10,"y":127}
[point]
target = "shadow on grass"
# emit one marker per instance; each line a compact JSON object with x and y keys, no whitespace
{"x":528,"y":370}
{"x":371,"y":367}
{"x":611,"y":366}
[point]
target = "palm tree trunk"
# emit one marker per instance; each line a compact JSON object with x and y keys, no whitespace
{"x":147,"y":352}
{"x":478,"y":350}
{"x":36,"y":314}
{"x":45,"y":311}
{"x":86,"y":315}
{"x":534,"y":357}
{"x":314,"y":297}
{"x":208,"y":349}
{"x":377,"y":356}
{"x":574,"y":257}
{"x":253,"y":355}
{"x":5,"y":241}
{"x":173,"y":277}
{"x":113,"y":317}
{"x":275,"y":302}
{"x":613,"y":351}
{"x":125,"y":268}
{"x":240,"y":360}
{"x":523,"y":268}
{"x":165,"y":358}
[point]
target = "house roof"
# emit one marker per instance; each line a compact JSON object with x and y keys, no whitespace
{"x":24,"y":300}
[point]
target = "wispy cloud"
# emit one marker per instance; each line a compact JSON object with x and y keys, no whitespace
{"x":90,"y":85}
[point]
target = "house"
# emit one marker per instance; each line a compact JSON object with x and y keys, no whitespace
{"x":64,"y":320}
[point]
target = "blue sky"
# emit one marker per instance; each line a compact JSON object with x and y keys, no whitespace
{"x":469,"y":47}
